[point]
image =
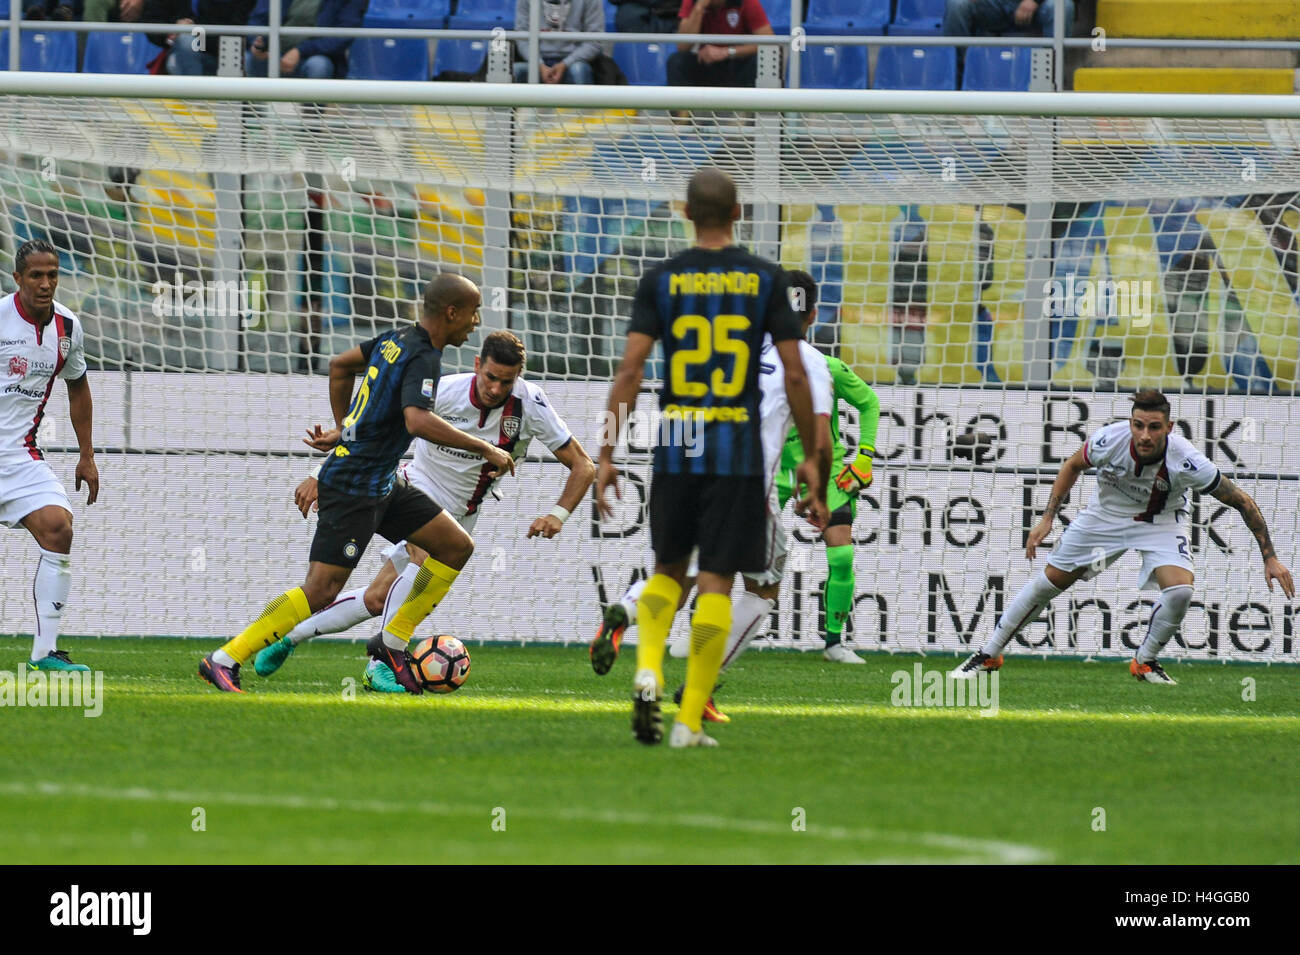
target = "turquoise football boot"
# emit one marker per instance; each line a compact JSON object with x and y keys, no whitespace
{"x":272,"y":658}
{"x":379,"y":678}
{"x":58,"y":660}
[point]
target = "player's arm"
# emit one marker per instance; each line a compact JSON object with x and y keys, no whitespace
{"x":815,"y":467}
{"x":582,"y":472}
{"x":1066,"y":478}
{"x":1228,"y":493}
{"x":80,"y":410}
{"x":423,"y":423}
{"x":344,"y":369}
{"x":855,"y":476}
{"x":622,"y":396}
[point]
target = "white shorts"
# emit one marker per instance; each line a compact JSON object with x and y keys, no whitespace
{"x":27,"y":485}
{"x":416,"y":479}
{"x":1097,"y":542}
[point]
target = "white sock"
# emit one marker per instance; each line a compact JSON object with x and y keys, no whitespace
{"x":1165,"y":620}
{"x":347,"y":610}
{"x":50,"y":592}
{"x":629,"y":599}
{"x":397,"y":593}
{"x":224,"y":658}
{"x":1024,"y":610}
{"x":748,"y":617}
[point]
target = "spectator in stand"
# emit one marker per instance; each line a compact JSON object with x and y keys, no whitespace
{"x":712,"y":65}
{"x":646,"y":16}
{"x":183,"y":59}
{"x":53,"y":10}
{"x":314,"y":58}
{"x":968,"y":17}
{"x":563,"y":61}
{"x":107,"y":11}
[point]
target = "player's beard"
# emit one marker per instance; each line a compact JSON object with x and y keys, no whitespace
{"x":1153,"y":456}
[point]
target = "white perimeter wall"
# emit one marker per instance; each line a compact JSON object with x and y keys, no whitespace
{"x":194,"y":542}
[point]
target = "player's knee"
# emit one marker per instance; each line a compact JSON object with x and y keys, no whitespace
{"x":58,"y":538}
{"x":1176,"y":600}
{"x":320,"y":594}
{"x":459,"y":551}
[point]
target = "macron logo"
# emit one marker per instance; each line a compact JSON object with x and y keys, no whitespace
{"x":102,"y":908}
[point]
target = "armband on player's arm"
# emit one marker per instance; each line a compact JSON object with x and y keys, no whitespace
{"x":856,"y":476}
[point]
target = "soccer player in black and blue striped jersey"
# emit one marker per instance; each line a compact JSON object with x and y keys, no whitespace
{"x":711,"y":307}
{"x":359,"y":496}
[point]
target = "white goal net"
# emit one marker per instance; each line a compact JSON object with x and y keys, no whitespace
{"x":1001,"y":280}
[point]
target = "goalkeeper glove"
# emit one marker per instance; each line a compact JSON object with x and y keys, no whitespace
{"x":856,"y":477}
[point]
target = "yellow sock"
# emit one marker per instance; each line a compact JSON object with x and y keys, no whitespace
{"x":431,"y":585}
{"x":655,"y":609}
{"x":280,"y":616}
{"x":709,"y":629}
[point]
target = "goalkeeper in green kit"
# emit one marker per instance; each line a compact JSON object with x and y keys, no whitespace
{"x":847,"y":480}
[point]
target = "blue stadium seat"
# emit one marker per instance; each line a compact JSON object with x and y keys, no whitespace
{"x":42,"y":52}
{"x":426,"y":14}
{"x":998,"y":68}
{"x":464,"y":56}
{"x":495,"y":12}
{"x":373,"y":58}
{"x":610,"y":12}
{"x":917,"y":18}
{"x":916,"y":68}
{"x":855,"y":17}
{"x":644,"y":64}
{"x":833,"y":68}
{"x":118,"y":53}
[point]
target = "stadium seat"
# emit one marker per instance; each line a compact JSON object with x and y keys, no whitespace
{"x":917,"y":18}
{"x":856,"y":17}
{"x":118,"y":53}
{"x":373,"y":58}
{"x":43,"y":52}
{"x":494,"y":12}
{"x":464,"y":56}
{"x":916,"y":68}
{"x":999,"y":68}
{"x":644,"y":64}
{"x":426,"y":14}
{"x":833,"y":67}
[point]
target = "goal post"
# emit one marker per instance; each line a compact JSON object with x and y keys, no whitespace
{"x":1001,"y":268}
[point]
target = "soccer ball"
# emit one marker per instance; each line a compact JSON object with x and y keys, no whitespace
{"x":441,"y":663}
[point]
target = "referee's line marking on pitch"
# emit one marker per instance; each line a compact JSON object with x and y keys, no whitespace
{"x":972,"y":850}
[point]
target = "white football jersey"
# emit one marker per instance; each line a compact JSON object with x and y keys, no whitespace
{"x":459,"y":479}
{"x":31,"y":358}
{"x":773,"y":406}
{"x":1155,"y":492}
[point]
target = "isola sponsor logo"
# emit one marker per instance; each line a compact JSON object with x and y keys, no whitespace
{"x":706,"y":414}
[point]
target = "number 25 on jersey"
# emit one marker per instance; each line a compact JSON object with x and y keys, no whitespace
{"x":714,"y":341}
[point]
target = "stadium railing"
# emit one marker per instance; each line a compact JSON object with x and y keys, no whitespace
{"x":1049,"y":59}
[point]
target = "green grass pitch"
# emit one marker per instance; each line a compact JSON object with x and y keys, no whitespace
{"x":533,"y":761}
